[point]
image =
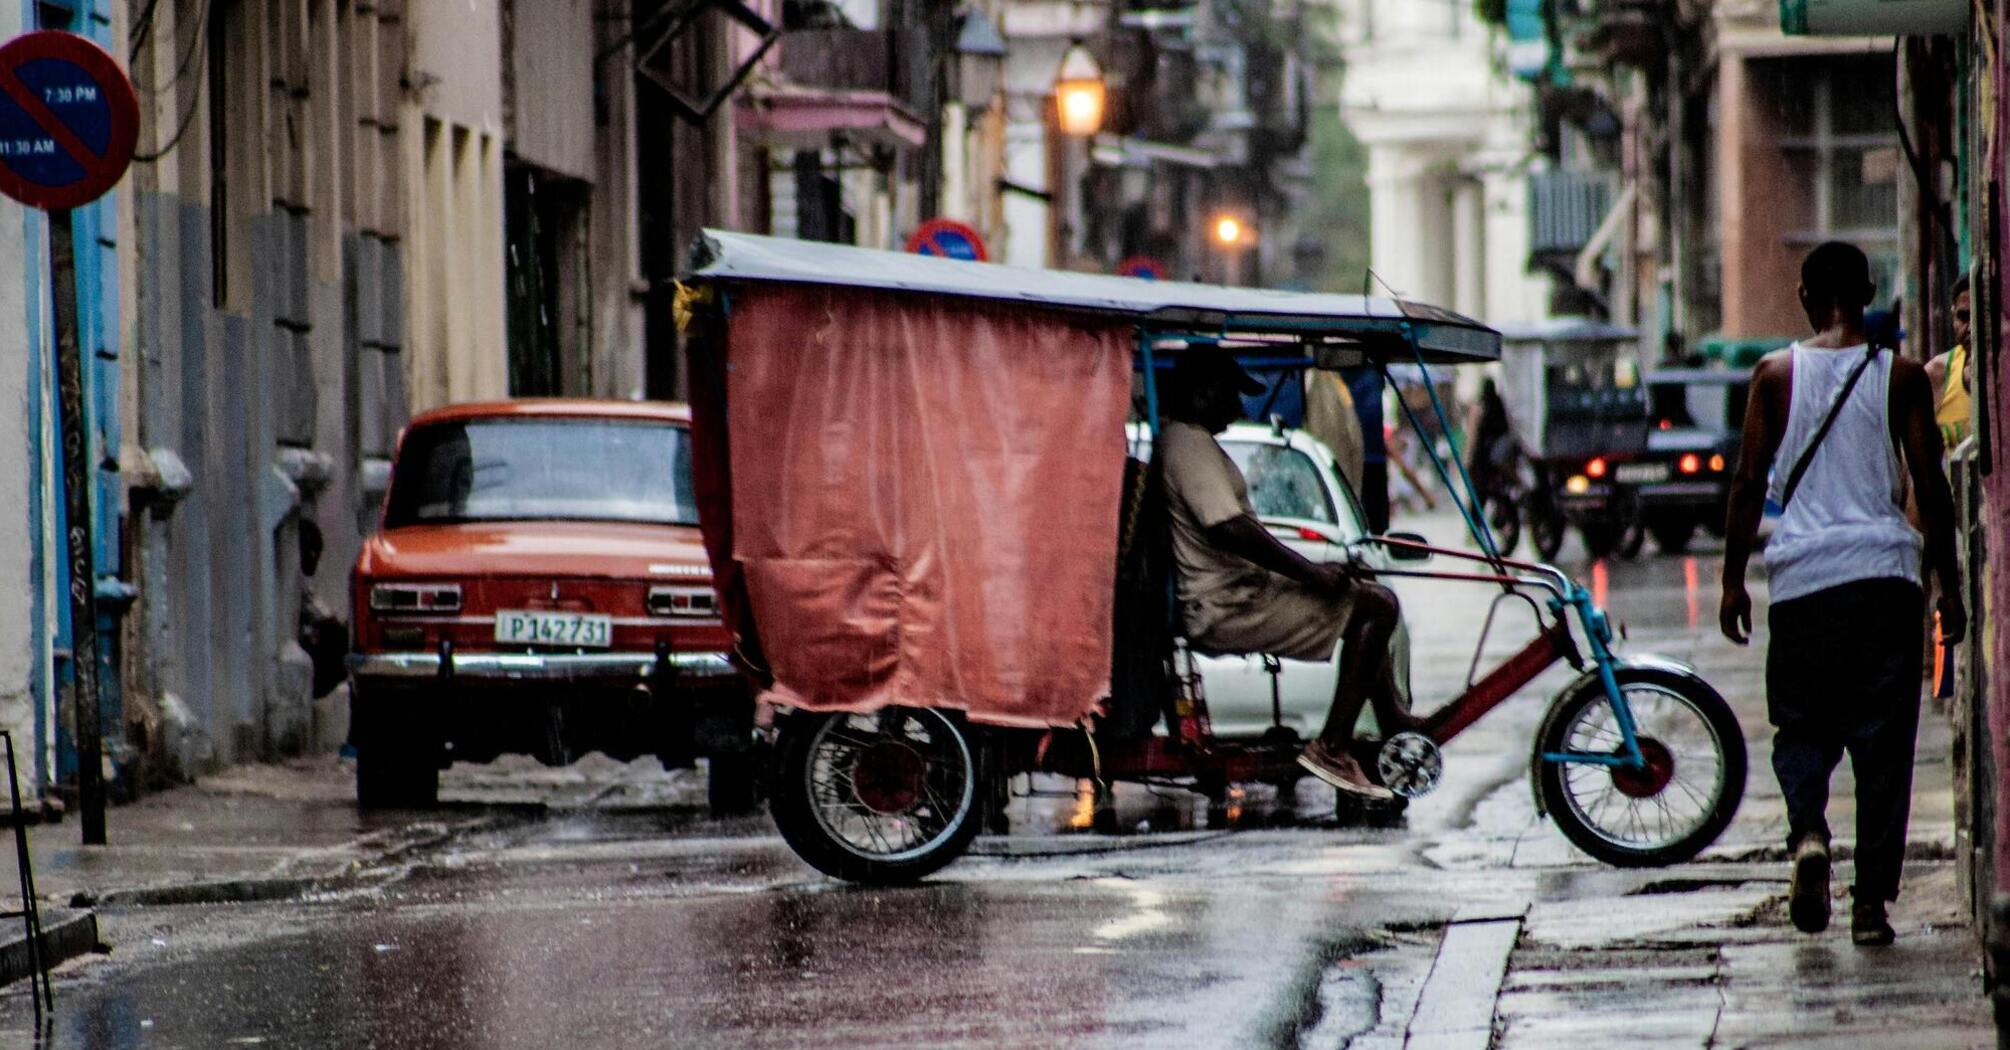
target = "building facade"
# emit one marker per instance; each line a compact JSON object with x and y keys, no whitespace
{"x":347,"y":211}
{"x":36,"y":675}
{"x":1693,"y":152}
{"x":1449,"y":158}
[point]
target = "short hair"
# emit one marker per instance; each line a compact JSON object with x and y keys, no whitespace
{"x":1960,"y":285}
{"x":1837,"y":274}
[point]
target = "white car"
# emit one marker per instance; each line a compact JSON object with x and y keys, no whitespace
{"x":1298,"y":493}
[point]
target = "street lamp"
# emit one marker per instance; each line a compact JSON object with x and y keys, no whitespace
{"x":1234,"y":235}
{"x":1078,"y":92}
{"x":980,"y":60}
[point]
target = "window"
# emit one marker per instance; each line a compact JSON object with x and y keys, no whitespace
{"x":543,"y":469}
{"x":1283,"y":482}
{"x":1835,"y":118}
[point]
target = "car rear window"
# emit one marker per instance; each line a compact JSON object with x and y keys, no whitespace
{"x":543,"y":469}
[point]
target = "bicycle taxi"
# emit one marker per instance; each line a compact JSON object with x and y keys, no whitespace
{"x":939,"y":561}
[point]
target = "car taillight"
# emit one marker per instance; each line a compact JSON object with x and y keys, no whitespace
{"x":1690,"y":463}
{"x":1311,"y":535}
{"x":682,"y":601}
{"x":415,"y":598}
{"x":1596,"y":468}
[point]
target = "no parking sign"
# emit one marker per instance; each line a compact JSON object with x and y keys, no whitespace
{"x":949,"y":239}
{"x":68,"y":120}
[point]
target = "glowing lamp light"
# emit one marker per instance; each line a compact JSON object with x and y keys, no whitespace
{"x":1577,"y":485}
{"x":1079,"y":92}
{"x":1717,"y":463}
{"x":1596,"y":468}
{"x":1690,"y":463}
{"x":1228,"y":230}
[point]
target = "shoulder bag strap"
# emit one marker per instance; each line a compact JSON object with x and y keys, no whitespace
{"x":1801,"y":467}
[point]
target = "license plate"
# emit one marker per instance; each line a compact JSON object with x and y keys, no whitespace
{"x":576,"y":630}
{"x":1640,"y":473}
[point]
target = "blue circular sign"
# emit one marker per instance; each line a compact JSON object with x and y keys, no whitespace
{"x":948,"y":239}
{"x":68,"y":120}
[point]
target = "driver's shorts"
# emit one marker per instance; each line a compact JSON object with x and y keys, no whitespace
{"x":1284,"y":618}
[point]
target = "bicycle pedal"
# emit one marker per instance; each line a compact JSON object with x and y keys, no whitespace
{"x":1410,"y":764}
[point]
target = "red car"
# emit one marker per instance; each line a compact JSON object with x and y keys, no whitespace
{"x":537,"y":585}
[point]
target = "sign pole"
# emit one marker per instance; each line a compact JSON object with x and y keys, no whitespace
{"x":77,"y":533}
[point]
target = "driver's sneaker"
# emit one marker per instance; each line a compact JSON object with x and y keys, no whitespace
{"x":1868,"y":926}
{"x":1808,"y":899}
{"x":1340,"y":770}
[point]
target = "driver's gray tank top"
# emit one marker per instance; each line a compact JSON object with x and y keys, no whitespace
{"x":1847,"y":520}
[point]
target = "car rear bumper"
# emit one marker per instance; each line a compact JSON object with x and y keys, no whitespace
{"x":1673,"y":493}
{"x":541,"y":667}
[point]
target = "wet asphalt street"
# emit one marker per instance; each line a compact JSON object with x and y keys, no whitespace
{"x":603,"y":922}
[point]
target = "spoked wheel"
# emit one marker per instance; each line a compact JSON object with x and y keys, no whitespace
{"x":1504,"y":518}
{"x":886,"y":797}
{"x":1665,"y":811}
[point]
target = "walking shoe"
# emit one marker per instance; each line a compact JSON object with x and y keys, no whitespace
{"x":1868,"y":926}
{"x":1808,"y":899}
{"x":1340,"y":770}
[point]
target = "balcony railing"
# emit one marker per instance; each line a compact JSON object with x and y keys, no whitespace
{"x":1565,"y":208}
{"x":893,"y":61}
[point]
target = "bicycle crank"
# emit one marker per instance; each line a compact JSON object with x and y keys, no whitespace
{"x":1410,"y":764}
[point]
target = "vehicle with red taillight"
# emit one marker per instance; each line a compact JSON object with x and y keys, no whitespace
{"x":538,"y":586}
{"x":1692,"y":447}
{"x":1579,"y":415}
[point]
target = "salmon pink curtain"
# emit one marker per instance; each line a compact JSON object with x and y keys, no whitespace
{"x":924,"y":499}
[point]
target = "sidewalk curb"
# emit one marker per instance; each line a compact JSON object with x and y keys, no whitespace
{"x":65,"y":935}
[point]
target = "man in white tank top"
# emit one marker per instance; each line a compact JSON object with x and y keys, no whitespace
{"x":1833,"y":430}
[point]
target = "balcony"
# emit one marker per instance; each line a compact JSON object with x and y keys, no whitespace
{"x":1628,"y":32}
{"x":1565,"y":210}
{"x":871,"y":85}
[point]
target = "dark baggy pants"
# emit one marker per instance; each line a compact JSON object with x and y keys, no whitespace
{"x":1842,"y":674}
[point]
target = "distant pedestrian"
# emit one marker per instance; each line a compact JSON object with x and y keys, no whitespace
{"x":1364,"y":386}
{"x":1832,"y":419}
{"x":1953,"y":379}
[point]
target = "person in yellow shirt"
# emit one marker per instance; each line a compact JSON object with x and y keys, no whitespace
{"x":1953,"y":412}
{"x":1953,"y":379}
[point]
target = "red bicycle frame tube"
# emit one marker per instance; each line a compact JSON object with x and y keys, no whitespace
{"x":1551,"y":644}
{"x":1499,"y":684}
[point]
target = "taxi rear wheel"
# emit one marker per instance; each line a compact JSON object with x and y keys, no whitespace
{"x":882,"y":798}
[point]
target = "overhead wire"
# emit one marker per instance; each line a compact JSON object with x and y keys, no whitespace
{"x":197,"y":42}
{"x":201,"y":43}
{"x":143,"y":28}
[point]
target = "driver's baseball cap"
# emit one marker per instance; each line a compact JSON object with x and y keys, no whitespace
{"x":1206,"y":367}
